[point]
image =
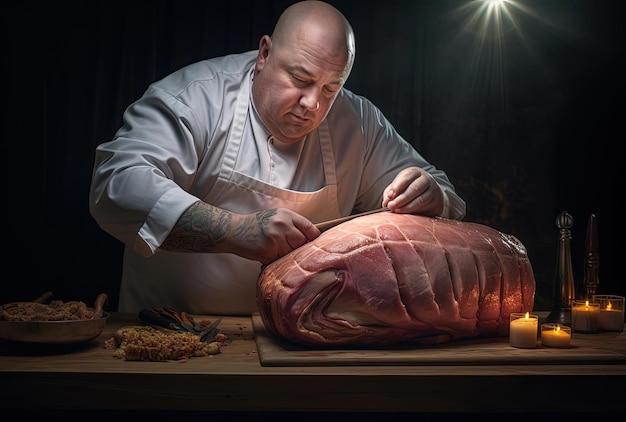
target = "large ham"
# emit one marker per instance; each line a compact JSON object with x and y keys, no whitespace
{"x":388,"y":279}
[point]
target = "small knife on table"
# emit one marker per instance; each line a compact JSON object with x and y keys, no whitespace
{"x":325,"y":225}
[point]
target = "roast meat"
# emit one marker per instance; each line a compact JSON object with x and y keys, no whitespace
{"x":387,"y":279}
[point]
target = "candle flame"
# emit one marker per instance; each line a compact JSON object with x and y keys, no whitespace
{"x":586,"y":303}
{"x":609,"y":306}
{"x":527,"y":314}
{"x":557,"y":329}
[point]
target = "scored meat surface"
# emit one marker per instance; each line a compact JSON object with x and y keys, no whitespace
{"x":388,"y":279}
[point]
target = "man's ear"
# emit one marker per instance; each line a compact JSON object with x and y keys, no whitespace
{"x":265,"y":46}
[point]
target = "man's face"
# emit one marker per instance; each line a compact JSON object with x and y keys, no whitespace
{"x":295,"y":86}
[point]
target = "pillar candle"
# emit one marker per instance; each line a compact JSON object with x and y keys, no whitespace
{"x":585,"y":316}
{"x":611,"y":316}
{"x":611,"y":320}
{"x":523,"y":330}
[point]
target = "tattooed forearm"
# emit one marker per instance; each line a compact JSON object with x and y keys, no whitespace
{"x":199,"y":229}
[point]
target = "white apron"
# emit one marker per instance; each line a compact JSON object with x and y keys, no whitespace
{"x":224,"y":284}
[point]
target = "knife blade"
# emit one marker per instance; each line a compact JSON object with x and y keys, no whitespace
{"x":325,"y":225}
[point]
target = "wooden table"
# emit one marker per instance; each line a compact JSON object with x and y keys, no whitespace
{"x":89,"y":377}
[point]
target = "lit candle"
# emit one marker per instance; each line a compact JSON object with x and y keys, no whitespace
{"x":585,"y":316}
{"x":523,"y":330}
{"x":611,"y":316}
{"x":555,"y":335}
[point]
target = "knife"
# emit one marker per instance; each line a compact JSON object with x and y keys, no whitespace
{"x":325,"y":225}
{"x":152,"y":317}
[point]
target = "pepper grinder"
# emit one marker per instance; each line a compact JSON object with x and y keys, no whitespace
{"x":591,"y":279}
{"x":564,"y":293}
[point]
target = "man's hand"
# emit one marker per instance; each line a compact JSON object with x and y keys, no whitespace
{"x":268,"y":235}
{"x":262,"y":236}
{"x":414,"y":191}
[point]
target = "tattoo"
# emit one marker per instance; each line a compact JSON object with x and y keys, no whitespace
{"x":248,"y":232}
{"x":199,"y":229}
{"x":263,"y":217}
{"x":202,"y":227}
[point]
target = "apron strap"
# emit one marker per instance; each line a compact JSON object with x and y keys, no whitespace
{"x":328,"y":154}
{"x":236,"y":129}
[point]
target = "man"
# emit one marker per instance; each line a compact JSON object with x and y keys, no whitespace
{"x":226,"y":164}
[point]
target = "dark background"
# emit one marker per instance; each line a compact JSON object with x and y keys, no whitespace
{"x":526,"y":122}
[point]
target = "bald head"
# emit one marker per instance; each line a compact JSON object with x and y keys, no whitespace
{"x":301,"y":68}
{"x":317,"y":22}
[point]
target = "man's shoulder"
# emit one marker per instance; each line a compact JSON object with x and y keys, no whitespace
{"x":235,"y":63}
{"x":232,"y":67}
{"x":349,"y":101}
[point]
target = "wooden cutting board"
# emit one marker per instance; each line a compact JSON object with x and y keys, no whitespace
{"x":600,"y":348}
